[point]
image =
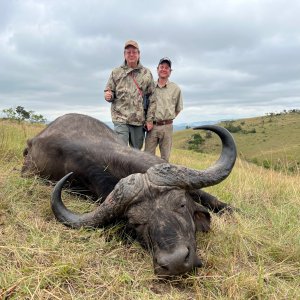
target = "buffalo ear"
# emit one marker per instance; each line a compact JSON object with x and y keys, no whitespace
{"x":201,"y":218}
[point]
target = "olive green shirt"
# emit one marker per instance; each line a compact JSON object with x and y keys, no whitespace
{"x":127,"y":101}
{"x":169,"y":101}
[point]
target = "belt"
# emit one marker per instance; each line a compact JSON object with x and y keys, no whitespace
{"x":164,"y":122}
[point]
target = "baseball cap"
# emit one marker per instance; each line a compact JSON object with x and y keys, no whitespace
{"x":165,"y":60}
{"x":131,"y":43}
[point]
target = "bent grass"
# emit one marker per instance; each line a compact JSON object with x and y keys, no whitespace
{"x":252,"y":254}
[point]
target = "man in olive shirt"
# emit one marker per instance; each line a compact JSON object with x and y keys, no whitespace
{"x":125,"y":89}
{"x":169,"y":104}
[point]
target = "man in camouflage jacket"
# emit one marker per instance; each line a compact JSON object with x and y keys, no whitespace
{"x":125,"y":89}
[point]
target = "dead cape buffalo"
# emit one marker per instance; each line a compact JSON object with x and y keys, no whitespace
{"x":162,"y":202}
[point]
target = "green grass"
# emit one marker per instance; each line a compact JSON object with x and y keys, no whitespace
{"x":275,"y":143}
{"x":254,"y":254}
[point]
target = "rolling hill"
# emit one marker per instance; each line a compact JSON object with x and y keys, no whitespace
{"x":271,"y":141}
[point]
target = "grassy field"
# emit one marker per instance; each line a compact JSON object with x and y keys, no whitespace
{"x":253,"y":254}
{"x":270,"y":141}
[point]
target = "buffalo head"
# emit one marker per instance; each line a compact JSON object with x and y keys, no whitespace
{"x":158,"y":205}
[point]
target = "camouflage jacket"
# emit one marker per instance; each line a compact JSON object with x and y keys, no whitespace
{"x":127,"y":102}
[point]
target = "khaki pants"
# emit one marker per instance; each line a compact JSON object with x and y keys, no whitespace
{"x":161,"y":136}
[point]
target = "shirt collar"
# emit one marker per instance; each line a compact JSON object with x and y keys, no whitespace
{"x":157,"y":85}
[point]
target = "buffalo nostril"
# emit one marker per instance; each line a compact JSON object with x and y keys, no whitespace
{"x":175,"y":262}
{"x":162,"y":263}
{"x":187,"y":255}
{"x":164,"y":267}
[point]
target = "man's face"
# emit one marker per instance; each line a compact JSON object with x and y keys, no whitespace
{"x":164,"y":71}
{"x":131,"y":55}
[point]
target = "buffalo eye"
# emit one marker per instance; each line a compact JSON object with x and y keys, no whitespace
{"x":181,"y":208}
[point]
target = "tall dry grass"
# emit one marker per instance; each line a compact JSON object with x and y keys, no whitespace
{"x":253,"y":254}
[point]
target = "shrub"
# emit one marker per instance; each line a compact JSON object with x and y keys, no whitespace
{"x":195,"y":142}
{"x":266,"y":164}
{"x":231,"y":128}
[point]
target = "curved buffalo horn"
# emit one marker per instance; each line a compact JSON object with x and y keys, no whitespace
{"x":171,"y":175}
{"x":113,"y":206}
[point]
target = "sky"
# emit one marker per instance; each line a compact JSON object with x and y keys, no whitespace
{"x":231,"y":58}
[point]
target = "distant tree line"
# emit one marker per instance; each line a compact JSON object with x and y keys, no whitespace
{"x":284,"y":112}
{"x":231,"y":127}
{"x":20,"y":114}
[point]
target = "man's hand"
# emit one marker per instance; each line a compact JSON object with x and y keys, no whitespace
{"x":149,"y":126}
{"x":108,"y":95}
